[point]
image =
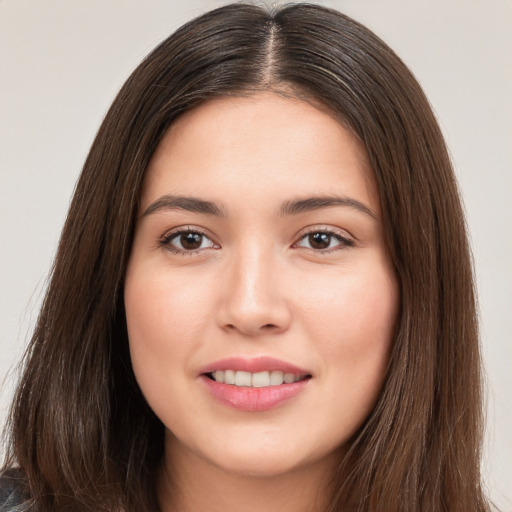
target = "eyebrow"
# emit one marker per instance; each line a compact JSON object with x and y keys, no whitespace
{"x":292,"y":207}
{"x":297,"y":206}
{"x":189,"y":204}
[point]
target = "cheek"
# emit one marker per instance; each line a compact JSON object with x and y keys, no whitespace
{"x":163,"y":327}
{"x":352,"y":322}
{"x":164,"y":331}
{"x":161,"y":309}
{"x":353,"y":310}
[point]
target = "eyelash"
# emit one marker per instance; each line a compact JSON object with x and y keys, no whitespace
{"x":167,"y":239}
{"x":344,"y":241}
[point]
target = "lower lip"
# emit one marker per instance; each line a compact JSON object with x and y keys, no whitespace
{"x":254,"y":399}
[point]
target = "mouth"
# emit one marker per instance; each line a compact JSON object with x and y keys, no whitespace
{"x":263,"y":379}
{"x":254,"y":384}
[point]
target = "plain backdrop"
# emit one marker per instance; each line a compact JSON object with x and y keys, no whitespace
{"x":62,"y":62}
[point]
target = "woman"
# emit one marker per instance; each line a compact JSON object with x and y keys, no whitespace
{"x":263,"y":295}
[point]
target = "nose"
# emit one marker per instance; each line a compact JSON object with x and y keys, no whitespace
{"x":253,"y":299}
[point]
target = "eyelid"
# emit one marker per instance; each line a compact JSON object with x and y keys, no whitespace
{"x":346,"y":239}
{"x":165,"y":239}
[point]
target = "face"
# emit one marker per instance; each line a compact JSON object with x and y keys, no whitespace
{"x":260,"y":299}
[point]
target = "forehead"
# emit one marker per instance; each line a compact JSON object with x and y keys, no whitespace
{"x":264,"y":144}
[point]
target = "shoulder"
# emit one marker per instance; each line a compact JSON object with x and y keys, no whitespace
{"x":12,"y":486}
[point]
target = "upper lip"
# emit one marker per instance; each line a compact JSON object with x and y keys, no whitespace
{"x":253,"y":365}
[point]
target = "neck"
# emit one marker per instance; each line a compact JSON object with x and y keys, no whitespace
{"x":189,"y":483}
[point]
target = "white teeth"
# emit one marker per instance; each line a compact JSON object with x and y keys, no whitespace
{"x":289,"y":378}
{"x":255,"y":380}
{"x":276,"y":378}
{"x":260,"y":380}
{"x":229,"y":377}
{"x":243,"y":379}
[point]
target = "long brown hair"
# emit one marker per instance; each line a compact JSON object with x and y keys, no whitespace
{"x":81,"y":432}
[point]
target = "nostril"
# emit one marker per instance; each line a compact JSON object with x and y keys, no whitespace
{"x":265,"y":327}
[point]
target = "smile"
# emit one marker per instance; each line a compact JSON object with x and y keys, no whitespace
{"x":254,"y":384}
{"x":256,"y":380}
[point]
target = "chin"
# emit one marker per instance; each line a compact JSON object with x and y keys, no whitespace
{"x":265,"y":459}
{"x":258,"y":465}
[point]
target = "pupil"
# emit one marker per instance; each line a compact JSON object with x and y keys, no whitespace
{"x":191,"y":240}
{"x":319,"y":240}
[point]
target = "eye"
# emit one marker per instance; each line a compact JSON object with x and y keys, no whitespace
{"x":324,"y":241}
{"x":186,"y":241}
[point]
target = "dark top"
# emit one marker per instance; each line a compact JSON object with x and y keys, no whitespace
{"x":12,"y":484}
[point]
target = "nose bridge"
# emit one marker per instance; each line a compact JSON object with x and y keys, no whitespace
{"x":254,"y":275}
{"x":253,"y":298}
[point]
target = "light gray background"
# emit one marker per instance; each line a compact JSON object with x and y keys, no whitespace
{"x":62,"y":62}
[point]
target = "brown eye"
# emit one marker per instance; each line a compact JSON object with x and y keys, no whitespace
{"x":191,"y":241}
{"x":324,"y":241}
{"x":186,"y":241}
{"x":319,"y":240}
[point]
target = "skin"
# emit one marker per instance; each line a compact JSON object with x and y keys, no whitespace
{"x":258,"y":285}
